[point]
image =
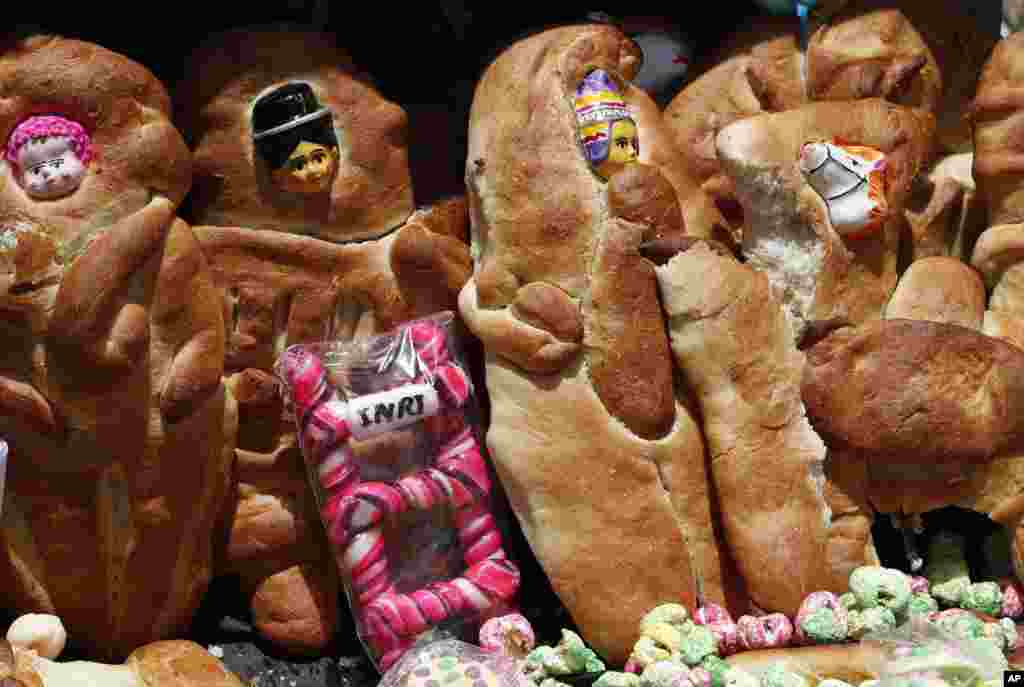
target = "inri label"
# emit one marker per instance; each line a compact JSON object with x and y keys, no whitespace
{"x":385,"y":411}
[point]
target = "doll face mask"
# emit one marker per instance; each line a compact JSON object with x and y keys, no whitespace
{"x":295,"y":137}
{"x":607,"y":131}
{"x":50,"y":154}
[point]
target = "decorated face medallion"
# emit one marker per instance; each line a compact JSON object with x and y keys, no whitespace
{"x":851,"y":181}
{"x":607,"y":131}
{"x":295,"y":137}
{"x":309,"y":169}
{"x":50,"y":154}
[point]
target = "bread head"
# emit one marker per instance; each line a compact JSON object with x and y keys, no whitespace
{"x":124,"y":110}
{"x":371,"y":192}
{"x":820,"y":274}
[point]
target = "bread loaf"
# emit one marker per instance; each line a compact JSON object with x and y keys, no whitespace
{"x":595,"y":443}
{"x":111,"y":399}
{"x":346,"y":260}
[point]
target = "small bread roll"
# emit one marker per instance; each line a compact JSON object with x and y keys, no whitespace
{"x":40,"y":632}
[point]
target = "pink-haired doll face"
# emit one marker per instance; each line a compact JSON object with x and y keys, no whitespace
{"x":50,"y":167}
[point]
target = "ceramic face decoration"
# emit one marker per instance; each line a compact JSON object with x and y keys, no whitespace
{"x":851,"y":180}
{"x":607,"y":132}
{"x":50,"y":154}
{"x":295,"y":136}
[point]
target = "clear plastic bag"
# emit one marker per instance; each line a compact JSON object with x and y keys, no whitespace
{"x":454,"y":664}
{"x":920,"y":654}
{"x":389,"y":430}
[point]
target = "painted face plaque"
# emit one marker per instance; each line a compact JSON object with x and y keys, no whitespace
{"x":607,"y":131}
{"x":851,"y":181}
{"x":51,"y":155}
{"x":295,"y":137}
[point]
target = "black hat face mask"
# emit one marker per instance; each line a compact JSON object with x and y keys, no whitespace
{"x":295,"y":137}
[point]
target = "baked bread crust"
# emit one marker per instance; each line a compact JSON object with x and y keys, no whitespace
{"x":372,"y":191}
{"x":595,"y":444}
{"x":112,"y":352}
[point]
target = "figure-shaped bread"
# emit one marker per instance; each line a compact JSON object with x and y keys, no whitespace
{"x":111,"y":354}
{"x":900,"y":50}
{"x":595,"y":443}
{"x":823,"y":187}
{"x":303,"y":188}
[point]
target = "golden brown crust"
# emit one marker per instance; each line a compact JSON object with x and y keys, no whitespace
{"x":625,"y":341}
{"x":736,"y":351}
{"x":600,"y":455}
{"x":181,"y":664}
{"x":997,"y":115}
{"x":642,"y":194}
{"x":912,"y":391}
{"x":939,"y":289}
{"x":372,"y":191}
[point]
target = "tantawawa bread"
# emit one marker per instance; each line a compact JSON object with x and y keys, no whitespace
{"x":111,"y":353}
{"x":296,"y":260}
{"x":595,"y":443}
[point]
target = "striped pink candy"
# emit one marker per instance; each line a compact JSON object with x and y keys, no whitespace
{"x":771,"y":631}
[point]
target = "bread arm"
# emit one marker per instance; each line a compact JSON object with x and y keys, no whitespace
{"x":87,"y":316}
{"x":187,"y":316}
{"x":540,"y":331}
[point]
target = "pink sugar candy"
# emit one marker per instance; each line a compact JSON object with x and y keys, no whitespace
{"x":919,"y":585}
{"x":632,"y":667}
{"x":772,"y":631}
{"x":727,"y":636}
{"x":508,"y":634}
{"x":711,"y":613}
{"x":700,"y":677}
{"x":1013,"y":605}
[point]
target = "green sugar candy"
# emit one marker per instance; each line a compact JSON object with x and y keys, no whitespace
{"x":673,"y":614}
{"x":552,"y":682}
{"x":615,"y":679}
{"x":832,"y":682}
{"x":665,"y":674}
{"x":717,"y":668}
{"x":947,"y":571}
{"x":848,"y":601}
{"x":697,"y":645}
{"x":922,"y":604}
{"x":877,"y":586}
{"x":646,"y":651}
{"x":824,"y":627}
{"x":878,"y":619}
{"x":576,"y":655}
{"x":962,"y":625}
{"x":665,"y":635}
{"x":984,"y":597}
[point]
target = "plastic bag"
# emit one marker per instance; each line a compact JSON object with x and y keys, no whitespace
{"x":919,"y":654}
{"x":388,"y":427}
{"x":454,"y":664}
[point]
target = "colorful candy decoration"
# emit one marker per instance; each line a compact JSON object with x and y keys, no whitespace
{"x":869,"y":620}
{"x":51,"y":155}
{"x":571,"y":656}
{"x":295,"y":137}
{"x":354,"y":511}
{"x":711,"y":613}
{"x":822,"y":619}
{"x":1013,"y":604}
{"x":947,"y":570}
{"x":876,"y":586}
{"x":607,"y":130}
{"x":851,"y":181}
{"x":772,"y":631}
{"x":666,"y":674}
{"x":510,"y":634}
